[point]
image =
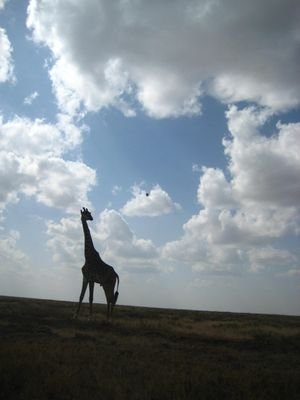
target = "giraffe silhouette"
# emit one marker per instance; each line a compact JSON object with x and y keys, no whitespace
{"x":95,"y":270}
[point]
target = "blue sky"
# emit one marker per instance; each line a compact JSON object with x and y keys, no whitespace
{"x":196,"y":104}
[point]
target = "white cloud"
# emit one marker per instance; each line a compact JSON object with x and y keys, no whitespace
{"x":29,"y":99}
{"x":63,"y":184}
{"x":66,"y":242}
{"x":10,"y":255}
{"x":24,"y":136}
{"x":264,"y":170}
{"x":14,"y":266}
{"x":2,"y":4}
{"x":238,"y":87}
{"x":242,"y":215}
{"x":167,"y":56}
{"x":156,"y":202}
{"x":6,"y":61}
{"x":271,"y":258}
{"x":121,"y":246}
{"x":32,"y":163}
{"x":214,"y":190}
{"x":165,"y":97}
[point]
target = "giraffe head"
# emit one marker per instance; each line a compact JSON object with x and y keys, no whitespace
{"x":85,"y":214}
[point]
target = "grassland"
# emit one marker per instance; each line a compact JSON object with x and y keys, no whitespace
{"x":145,"y":354}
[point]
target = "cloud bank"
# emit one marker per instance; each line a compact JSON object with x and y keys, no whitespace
{"x":162,"y":58}
{"x":242,"y":216}
{"x":33,"y":163}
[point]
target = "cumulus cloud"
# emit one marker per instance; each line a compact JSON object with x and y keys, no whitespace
{"x":6,"y":61}
{"x":242,"y":216}
{"x":112,"y":237}
{"x":25,"y":136}
{"x":32,"y":163}
{"x":167,"y":56}
{"x":64,"y":184}
{"x":10,"y":255}
{"x":14,"y":265}
{"x":215,"y":191}
{"x":272,"y":259}
{"x":156,"y":202}
{"x":264,"y":170}
{"x":122,"y":246}
{"x":66,"y":242}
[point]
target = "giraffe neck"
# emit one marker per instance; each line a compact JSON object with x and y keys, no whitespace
{"x":89,"y":248}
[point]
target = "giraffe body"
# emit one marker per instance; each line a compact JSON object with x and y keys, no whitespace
{"x":95,"y":270}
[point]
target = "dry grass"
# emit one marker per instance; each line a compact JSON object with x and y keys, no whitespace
{"x":145,"y":354}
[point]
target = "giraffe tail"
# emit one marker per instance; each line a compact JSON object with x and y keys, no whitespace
{"x":116,"y":295}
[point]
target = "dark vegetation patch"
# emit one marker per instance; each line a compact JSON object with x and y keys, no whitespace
{"x":145,"y":353}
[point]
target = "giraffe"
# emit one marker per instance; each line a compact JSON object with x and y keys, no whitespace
{"x":95,"y":270}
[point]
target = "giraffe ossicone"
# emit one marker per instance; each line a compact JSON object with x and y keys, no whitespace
{"x":95,"y":270}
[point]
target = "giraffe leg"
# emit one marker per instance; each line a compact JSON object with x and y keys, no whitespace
{"x":115,"y":294}
{"x":109,"y":294}
{"x":83,"y":290}
{"x":108,"y":312}
{"x":91,"y":287}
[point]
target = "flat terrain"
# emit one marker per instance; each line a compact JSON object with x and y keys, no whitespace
{"x":145,"y":353}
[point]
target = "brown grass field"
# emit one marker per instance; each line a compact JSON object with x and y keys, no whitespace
{"x":145,"y":353}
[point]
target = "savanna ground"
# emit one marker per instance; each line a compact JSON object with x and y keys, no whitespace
{"x":145,"y":353}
